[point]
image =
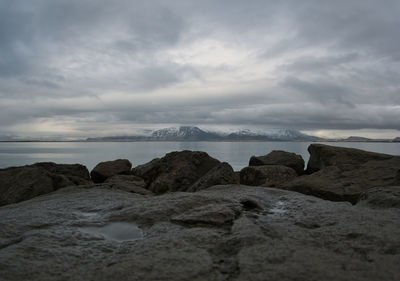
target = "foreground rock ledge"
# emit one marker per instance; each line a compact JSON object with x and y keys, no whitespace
{"x":227,"y":232}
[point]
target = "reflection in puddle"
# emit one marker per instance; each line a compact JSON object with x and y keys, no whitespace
{"x":118,"y":231}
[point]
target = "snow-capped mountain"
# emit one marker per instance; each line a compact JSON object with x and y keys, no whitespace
{"x":271,"y":134}
{"x":192,"y":133}
{"x":184,"y":133}
{"x":195,"y":133}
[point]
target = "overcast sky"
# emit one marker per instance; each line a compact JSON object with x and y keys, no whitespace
{"x":79,"y":68}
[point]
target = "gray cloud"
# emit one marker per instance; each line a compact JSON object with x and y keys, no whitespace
{"x":324,"y":92}
{"x":68,"y":66}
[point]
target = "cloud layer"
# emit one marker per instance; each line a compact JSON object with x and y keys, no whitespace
{"x":92,"y":68}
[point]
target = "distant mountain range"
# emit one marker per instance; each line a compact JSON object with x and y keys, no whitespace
{"x":356,"y":139}
{"x":191,"y":133}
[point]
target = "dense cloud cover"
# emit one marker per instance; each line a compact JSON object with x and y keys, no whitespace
{"x":79,"y":68}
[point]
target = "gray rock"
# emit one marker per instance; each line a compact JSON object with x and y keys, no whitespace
{"x":334,"y":183}
{"x":107,"y":169}
{"x":220,"y":174}
{"x":129,"y":183}
{"x":381,"y":197}
{"x":176,"y":171}
{"x":25,"y":182}
{"x":279,"y":157}
{"x":270,"y":175}
{"x":344,"y":158}
{"x":220,"y":233}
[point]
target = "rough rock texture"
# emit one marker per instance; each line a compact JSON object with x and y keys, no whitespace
{"x":129,"y":183}
{"x":279,"y":157}
{"x":344,"y":158}
{"x":270,"y":175}
{"x":381,"y":197}
{"x":176,"y":171}
{"x":22,"y":183}
{"x":221,"y":233}
{"x":340,"y":182}
{"x":107,"y":169}
{"x":220,"y":174}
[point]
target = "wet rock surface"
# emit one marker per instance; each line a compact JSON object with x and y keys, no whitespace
{"x":25,"y":182}
{"x":269,"y":175}
{"x":279,"y":157}
{"x":176,"y":171}
{"x":107,"y":169}
{"x":222,"y":233}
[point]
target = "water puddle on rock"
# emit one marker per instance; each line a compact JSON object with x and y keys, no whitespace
{"x":117,"y":231}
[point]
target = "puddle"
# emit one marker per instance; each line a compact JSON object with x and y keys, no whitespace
{"x":118,"y":231}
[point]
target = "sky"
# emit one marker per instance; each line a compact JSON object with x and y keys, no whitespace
{"x":84,"y":68}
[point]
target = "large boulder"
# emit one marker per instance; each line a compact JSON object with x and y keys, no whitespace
{"x":279,"y":157}
{"x":344,"y":158}
{"x":107,"y":169}
{"x":334,"y":183}
{"x":22,"y":183}
{"x":176,"y":171}
{"x":269,"y":175}
{"x":221,"y":233}
{"x":220,"y":174}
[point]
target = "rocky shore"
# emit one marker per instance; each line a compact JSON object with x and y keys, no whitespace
{"x":188,"y":216}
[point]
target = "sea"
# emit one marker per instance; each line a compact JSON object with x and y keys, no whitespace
{"x":237,"y":154}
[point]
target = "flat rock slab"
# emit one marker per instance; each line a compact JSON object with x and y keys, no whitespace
{"x":322,"y":155}
{"x":332,"y":183}
{"x":222,"y":233}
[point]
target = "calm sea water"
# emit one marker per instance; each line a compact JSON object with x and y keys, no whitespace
{"x":89,"y":154}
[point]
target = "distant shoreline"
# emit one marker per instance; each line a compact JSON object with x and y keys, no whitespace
{"x":97,"y":141}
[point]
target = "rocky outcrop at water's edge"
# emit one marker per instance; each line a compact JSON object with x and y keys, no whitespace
{"x":185,"y":217}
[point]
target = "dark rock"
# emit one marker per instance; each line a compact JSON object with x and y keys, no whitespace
{"x":76,"y":173}
{"x":22,"y":183}
{"x":176,"y":171}
{"x":107,"y":169}
{"x":220,"y":174}
{"x":322,"y":156}
{"x":269,"y":175}
{"x":329,"y":184}
{"x":149,"y":170}
{"x":333,"y":183}
{"x":381,"y":197}
{"x":220,"y":233}
{"x":237,"y":176}
{"x":129,"y":183}
{"x":279,"y":157}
